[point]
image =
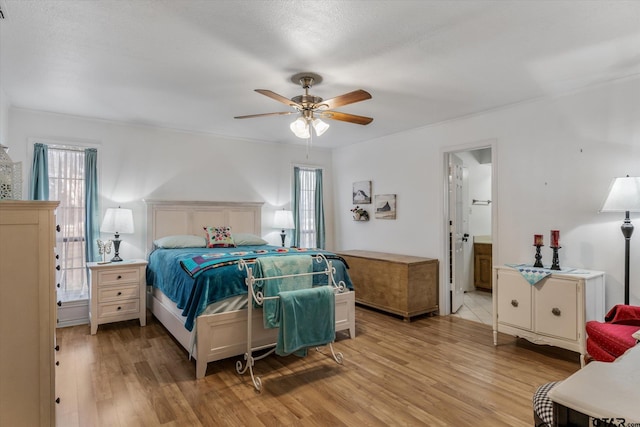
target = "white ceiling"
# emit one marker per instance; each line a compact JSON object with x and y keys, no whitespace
{"x":193,"y":64}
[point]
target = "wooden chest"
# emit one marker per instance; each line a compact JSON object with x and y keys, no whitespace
{"x":399,"y":284}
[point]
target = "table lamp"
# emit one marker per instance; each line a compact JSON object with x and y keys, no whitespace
{"x":283,"y":220}
{"x":117,"y":220}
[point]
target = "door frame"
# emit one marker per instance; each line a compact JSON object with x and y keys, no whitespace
{"x":445,"y":289}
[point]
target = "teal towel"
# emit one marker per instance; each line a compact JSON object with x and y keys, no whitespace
{"x":307,"y":319}
{"x":281,"y":266}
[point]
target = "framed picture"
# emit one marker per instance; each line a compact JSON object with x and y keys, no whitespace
{"x":385,"y":206}
{"x":362,"y":193}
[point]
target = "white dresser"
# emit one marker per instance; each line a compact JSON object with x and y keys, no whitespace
{"x":554,"y":311}
{"x":27,"y":313}
{"x":117,"y":292}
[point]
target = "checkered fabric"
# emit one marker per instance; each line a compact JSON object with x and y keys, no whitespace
{"x":542,"y":405}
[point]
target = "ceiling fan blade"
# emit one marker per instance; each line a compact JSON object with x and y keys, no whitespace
{"x":347,"y":98}
{"x":279,"y":98}
{"x":250,"y":116}
{"x":351,"y":118}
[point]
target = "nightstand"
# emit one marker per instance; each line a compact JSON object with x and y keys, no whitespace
{"x":117,"y":292}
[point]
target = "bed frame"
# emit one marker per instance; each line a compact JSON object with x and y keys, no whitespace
{"x":222,"y":335}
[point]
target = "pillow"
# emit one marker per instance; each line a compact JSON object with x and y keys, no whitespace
{"x":247,"y":239}
{"x":219,"y":237}
{"x":180,"y":241}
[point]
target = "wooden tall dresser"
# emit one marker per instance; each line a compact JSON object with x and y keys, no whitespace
{"x":27,"y":313}
{"x":399,"y":284}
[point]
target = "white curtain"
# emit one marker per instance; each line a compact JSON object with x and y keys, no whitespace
{"x":67,"y":185}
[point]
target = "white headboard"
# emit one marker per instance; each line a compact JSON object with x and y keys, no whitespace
{"x":172,"y":217}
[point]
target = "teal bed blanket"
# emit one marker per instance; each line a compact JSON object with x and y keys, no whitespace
{"x":220,"y":279}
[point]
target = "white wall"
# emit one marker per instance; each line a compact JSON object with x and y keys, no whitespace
{"x":554,"y":161}
{"x":4,"y":118}
{"x":138,"y":162}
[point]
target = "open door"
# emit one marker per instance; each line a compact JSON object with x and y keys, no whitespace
{"x":456,"y":232}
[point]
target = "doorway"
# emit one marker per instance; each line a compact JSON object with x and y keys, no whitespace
{"x":469,"y":222}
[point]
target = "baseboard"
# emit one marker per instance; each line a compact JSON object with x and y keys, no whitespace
{"x":72,"y":313}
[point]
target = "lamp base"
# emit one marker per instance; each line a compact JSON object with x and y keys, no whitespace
{"x":627,"y":231}
{"x":283,"y":235}
{"x":116,"y":248}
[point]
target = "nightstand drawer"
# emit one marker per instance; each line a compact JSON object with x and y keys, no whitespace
{"x":110,"y":277}
{"x":118,"y":308}
{"x":117,"y":293}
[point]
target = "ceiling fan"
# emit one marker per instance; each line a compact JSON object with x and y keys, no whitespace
{"x":312,"y":108}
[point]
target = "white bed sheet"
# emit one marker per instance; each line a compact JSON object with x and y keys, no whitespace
{"x":229,"y":304}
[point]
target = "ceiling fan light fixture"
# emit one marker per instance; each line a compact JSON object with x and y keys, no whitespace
{"x":300,"y":128}
{"x":306,"y":105}
{"x":319,"y":126}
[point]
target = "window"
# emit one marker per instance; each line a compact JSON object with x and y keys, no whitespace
{"x":67,"y":184}
{"x":308,"y":207}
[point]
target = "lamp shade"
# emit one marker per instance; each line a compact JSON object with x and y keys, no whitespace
{"x":117,"y":220}
{"x":319,"y":126}
{"x":300,"y":128}
{"x":283,"y":219}
{"x":623,"y":196}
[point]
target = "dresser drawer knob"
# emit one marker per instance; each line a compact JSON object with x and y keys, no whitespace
{"x":59,"y":303}
{"x":514,"y":302}
{"x":57,"y":363}
{"x":119,"y":277}
{"x":58,"y":228}
{"x":119,"y":293}
{"x":58,"y":400}
{"x":119,"y":308}
{"x":57,"y":348}
{"x":556,"y":311}
{"x":58,"y":267}
{"x":58,"y":285}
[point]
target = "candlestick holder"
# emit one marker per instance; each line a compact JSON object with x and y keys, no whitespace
{"x":538,"y":256}
{"x":555,"y":263}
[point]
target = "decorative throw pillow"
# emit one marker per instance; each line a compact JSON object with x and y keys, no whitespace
{"x":219,"y":237}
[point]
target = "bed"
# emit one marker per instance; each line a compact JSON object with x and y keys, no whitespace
{"x":219,"y":330}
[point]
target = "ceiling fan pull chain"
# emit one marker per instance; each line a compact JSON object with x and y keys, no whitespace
{"x":309,"y":142}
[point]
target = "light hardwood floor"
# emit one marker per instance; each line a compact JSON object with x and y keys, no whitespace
{"x":434,"y":371}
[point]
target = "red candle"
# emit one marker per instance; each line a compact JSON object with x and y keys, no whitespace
{"x":555,"y":238}
{"x":537,"y":240}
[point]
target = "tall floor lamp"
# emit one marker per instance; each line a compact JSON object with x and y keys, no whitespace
{"x":624,"y":196}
